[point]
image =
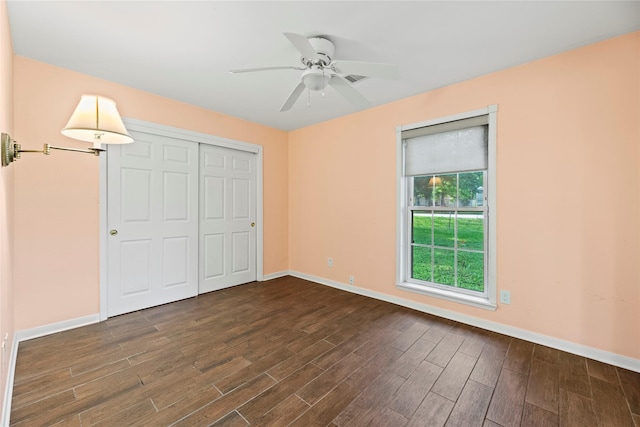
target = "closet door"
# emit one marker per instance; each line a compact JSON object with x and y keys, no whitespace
{"x":227,"y":217}
{"x":152,"y":221}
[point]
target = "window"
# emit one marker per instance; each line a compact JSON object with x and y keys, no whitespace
{"x":446,"y":214}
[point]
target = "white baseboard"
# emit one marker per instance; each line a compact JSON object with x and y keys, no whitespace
{"x":40,"y":331}
{"x":8,"y":392}
{"x":568,"y":346}
{"x":275,"y":275}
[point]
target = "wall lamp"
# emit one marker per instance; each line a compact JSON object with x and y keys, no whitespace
{"x":94,"y":120}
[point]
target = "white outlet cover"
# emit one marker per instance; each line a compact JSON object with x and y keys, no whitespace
{"x":505,"y":297}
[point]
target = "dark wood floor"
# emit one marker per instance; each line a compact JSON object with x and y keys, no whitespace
{"x":293,"y":352}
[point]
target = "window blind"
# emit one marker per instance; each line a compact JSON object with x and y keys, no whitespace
{"x":457,"y":146}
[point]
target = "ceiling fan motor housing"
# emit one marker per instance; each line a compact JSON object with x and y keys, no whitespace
{"x":325,"y":50}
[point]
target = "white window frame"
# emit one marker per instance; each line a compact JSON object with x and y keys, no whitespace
{"x":403,"y":248}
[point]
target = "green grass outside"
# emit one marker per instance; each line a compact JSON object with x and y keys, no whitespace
{"x":470,"y":237}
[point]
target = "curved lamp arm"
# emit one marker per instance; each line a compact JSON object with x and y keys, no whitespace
{"x":11,"y":150}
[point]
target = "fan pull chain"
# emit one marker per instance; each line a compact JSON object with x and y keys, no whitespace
{"x":323,"y":83}
{"x":308,"y":98}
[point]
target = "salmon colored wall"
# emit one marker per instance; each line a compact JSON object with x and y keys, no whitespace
{"x":6,"y":197}
{"x":57,"y":197}
{"x":568,"y":193}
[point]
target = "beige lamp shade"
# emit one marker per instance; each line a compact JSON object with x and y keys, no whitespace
{"x":96,"y":120}
{"x":434,"y":181}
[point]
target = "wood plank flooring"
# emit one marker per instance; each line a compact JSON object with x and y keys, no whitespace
{"x":291,"y":352}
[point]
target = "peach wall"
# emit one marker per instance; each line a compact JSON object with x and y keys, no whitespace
{"x":568,"y":193}
{"x":6,"y":197}
{"x":57,"y":197}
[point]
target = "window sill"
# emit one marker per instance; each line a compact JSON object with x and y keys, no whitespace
{"x":471,"y":300}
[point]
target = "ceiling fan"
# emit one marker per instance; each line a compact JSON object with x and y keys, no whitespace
{"x":321,"y":70}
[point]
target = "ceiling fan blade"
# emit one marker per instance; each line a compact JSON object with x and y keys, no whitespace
{"x":348,"y":92}
{"x":293,"y":97}
{"x":250,"y":70}
{"x":302,"y":44}
{"x":366,"y":69}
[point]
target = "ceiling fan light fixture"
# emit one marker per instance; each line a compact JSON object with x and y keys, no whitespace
{"x":315,"y":79}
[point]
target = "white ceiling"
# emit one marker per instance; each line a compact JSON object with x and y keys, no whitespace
{"x":184,"y":49}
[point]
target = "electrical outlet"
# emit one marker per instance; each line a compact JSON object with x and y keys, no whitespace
{"x":505,"y":297}
{"x":5,"y":347}
{"x":351,"y":280}
{"x":330,"y":262}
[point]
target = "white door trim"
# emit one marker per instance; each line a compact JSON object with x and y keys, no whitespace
{"x":169,"y":131}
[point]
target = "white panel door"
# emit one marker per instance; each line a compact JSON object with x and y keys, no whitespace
{"x":227,"y":217}
{"x":152,"y":219}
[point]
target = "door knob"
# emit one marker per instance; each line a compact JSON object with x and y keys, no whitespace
{"x":113,"y":232}
{"x":253,"y":224}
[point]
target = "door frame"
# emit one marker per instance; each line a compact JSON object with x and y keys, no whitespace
{"x":172,"y":132}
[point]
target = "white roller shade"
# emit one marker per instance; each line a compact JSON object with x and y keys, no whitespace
{"x":456,"y":150}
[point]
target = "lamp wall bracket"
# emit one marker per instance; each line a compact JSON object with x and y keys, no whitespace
{"x":8,"y":153}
